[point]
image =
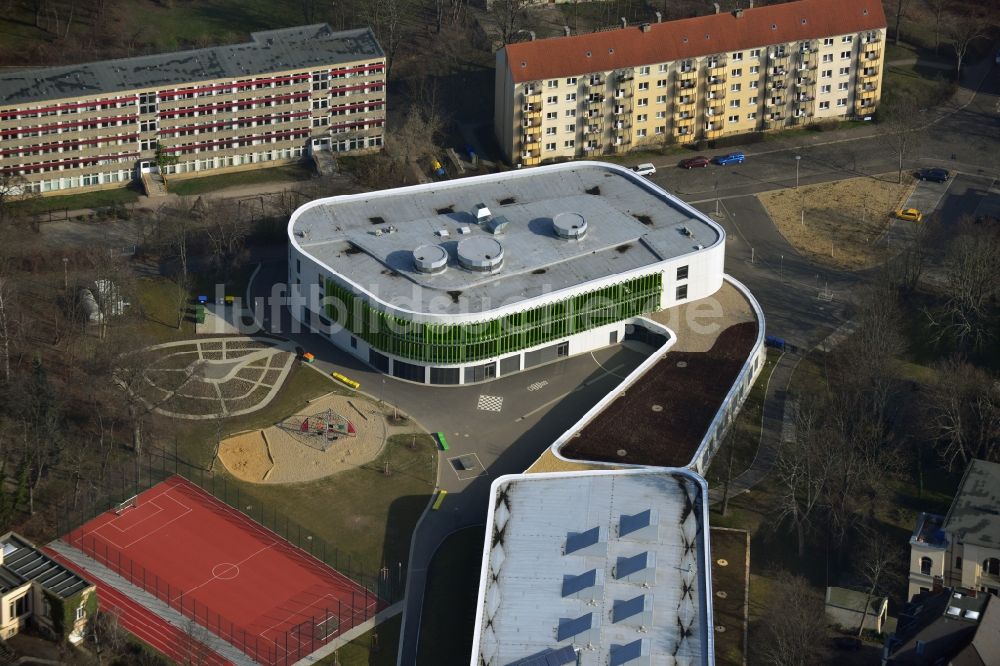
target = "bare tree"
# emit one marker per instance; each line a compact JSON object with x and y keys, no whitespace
{"x":174,"y":226}
{"x":424,"y":122}
{"x":387,"y":19}
{"x":962,"y":412}
{"x":793,"y":624}
{"x":802,"y":470}
{"x":508,"y":17}
{"x":963,"y":30}
{"x":938,"y":10}
{"x":972,"y":283}
{"x":900,"y":14}
{"x":6,"y":326}
{"x":226,"y":232}
{"x":900,"y":130}
{"x":879,"y":564}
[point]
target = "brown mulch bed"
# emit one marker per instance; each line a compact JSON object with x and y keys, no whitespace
{"x":662,"y":418}
{"x":731,"y":546}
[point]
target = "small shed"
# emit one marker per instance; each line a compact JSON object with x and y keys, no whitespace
{"x":845,"y":607}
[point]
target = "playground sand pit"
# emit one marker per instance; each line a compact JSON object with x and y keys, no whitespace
{"x":298,"y":453}
{"x":245,"y":456}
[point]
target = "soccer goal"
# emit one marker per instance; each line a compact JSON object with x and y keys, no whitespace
{"x":323,"y":629}
{"x":131,"y":502}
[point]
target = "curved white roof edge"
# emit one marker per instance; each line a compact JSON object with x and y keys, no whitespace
{"x":708,"y":633}
{"x":535,"y":301}
{"x":643,"y":367}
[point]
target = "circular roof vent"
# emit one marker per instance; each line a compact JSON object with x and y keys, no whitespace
{"x":571,"y":226}
{"x":430,"y":259}
{"x":483,"y":255}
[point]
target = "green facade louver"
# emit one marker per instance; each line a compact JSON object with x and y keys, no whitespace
{"x":465,"y":343}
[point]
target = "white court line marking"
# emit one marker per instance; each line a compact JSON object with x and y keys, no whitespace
{"x":159,"y":508}
{"x":353,"y":612}
{"x":237,"y":564}
{"x":152,"y":531}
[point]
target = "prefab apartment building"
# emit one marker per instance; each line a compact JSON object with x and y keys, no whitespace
{"x":750,"y":70}
{"x":261,"y":103}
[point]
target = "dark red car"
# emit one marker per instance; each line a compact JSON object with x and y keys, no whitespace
{"x":692,"y":162}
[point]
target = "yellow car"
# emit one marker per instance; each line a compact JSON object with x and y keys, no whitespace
{"x":911,"y":214}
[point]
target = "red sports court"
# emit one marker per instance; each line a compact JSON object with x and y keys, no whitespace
{"x":239,"y":580}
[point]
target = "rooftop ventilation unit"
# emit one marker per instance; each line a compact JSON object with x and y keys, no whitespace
{"x":430,"y":259}
{"x":570,"y":226}
{"x":482,"y":213}
{"x":481,"y":255}
{"x":496,"y":225}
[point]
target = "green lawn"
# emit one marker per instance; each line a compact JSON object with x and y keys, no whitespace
{"x":192,"y":186}
{"x":924,"y":86}
{"x":449,"y":612}
{"x":100,"y":199}
{"x":158,"y":299}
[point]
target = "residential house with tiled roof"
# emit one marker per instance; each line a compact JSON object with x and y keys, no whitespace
{"x":749,"y":70}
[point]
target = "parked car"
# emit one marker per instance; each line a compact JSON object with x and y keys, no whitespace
{"x":645,"y":169}
{"x":731,"y":158}
{"x":933,"y":174}
{"x":690,"y":163}
{"x":910,"y":214}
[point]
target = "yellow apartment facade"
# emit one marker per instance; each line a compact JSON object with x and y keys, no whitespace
{"x":266,"y":102}
{"x":750,"y":70}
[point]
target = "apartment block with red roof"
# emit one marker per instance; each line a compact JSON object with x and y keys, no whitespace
{"x":751,"y":70}
{"x":265,"y":102}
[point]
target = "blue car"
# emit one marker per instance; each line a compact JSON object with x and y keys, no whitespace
{"x":731,"y":158}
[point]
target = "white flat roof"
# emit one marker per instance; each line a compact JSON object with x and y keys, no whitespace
{"x":613,"y":564}
{"x":369,"y":239}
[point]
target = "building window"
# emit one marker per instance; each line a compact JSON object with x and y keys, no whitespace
{"x":737,"y":71}
{"x":644,"y":85}
{"x":734,"y":104}
{"x":846,"y":39}
{"x":550,"y":146}
{"x":991,"y":567}
{"x":553,"y":99}
{"x":552,"y":83}
{"x":845,"y":55}
{"x":660,"y":115}
{"x":735,"y":87}
{"x":643,"y":71}
{"x":661,"y":83}
{"x":827,"y":74}
{"x":754,"y":85}
{"x":682,"y":272}
{"x":660,"y":129}
{"x":823,"y":106}
{"x":571,"y":81}
{"x":661,"y":99}
{"x":842,"y":85}
{"x":825,"y":89}
{"x":570,"y":113}
{"x":147,"y":144}
{"x":640,"y":133}
{"x":551,"y":115}
{"x":738,"y":55}
{"x":752,"y":115}
{"x":755,"y":69}
{"x":81,"y":613}
{"x":682,"y":292}
{"x":958,"y":562}
{"x":925,"y":565}
{"x":643,"y":101}
{"x":18,"y":607}
{"x":662,"y":67}
{"x":571,"y":97}
{"x":642,"y":117}
{"x":755,"y":53}
{"x":549,"y":131}
{"x":844,"y":71}
{"x":571,"y":127}
{"x":842,"y":101}
{"x":827,"y":57}
{"x":828,"y":41}
{"x":734,"y":119}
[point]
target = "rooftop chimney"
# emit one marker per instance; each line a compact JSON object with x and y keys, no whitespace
{"x":717,"y":8}
{"x":566,"y":30}
{"x":624,"y":22}
{"x":659,"y":17}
